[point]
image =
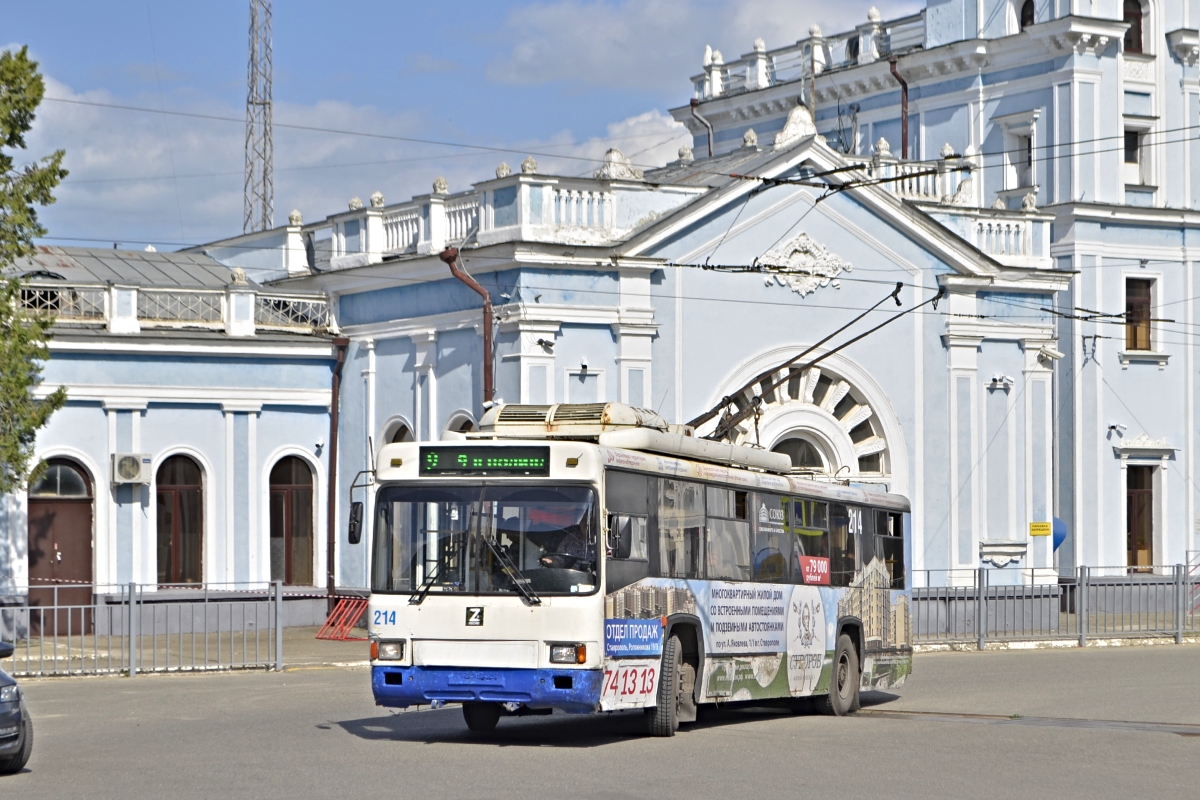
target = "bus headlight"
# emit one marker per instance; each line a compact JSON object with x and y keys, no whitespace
{"x":568,"y":653}
{"x":387,"y":651}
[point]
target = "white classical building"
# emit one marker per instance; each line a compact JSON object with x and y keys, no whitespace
{"x":1031,"y":159}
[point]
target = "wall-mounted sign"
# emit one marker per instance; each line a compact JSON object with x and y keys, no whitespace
{"x":1039,"y":529}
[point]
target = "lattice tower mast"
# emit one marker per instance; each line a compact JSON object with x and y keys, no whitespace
{"x":259,"y":203}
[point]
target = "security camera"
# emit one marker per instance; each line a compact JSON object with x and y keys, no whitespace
{"x":1046,"y":351}
{"x":546,"y":344}
{"x":583,"y":363}
{"x":1118,"y":428}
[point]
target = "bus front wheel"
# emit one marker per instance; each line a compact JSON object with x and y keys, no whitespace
{"x":481,"y":717}
{"x":662,"y":719}
{"x":843,"y":683}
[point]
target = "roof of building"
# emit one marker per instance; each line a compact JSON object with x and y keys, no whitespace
{"x":711,"y":172}
{"x":81,"y":265}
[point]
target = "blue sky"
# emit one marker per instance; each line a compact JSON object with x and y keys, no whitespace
{"x":555,"y":76}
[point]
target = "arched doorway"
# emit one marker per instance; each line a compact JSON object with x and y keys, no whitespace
{"x":292,"y":522}
{"x":179,"y":487}
{"x":60,"y":547}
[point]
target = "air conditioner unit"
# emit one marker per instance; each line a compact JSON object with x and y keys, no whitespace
{"x":130,"y":468}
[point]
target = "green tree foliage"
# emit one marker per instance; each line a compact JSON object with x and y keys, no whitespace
{"x":23,"y":335}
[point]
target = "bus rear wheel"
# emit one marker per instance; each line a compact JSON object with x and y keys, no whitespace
{"x":843,"y":683}
{"x":662,"y":719}
{"x":481,"y":717}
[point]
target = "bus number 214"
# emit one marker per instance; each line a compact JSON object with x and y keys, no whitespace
{"x":383,"y":617}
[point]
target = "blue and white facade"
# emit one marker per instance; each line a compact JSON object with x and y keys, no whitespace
{"x":1049,"y":185}
{"x":171,"y":356}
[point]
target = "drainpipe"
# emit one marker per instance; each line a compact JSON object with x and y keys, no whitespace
{"x":704,"y":122}
{"x":340,"y":344}
{"x":903,"y":107}
{"x":450,"y":256}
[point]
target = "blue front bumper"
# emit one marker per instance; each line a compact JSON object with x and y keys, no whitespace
{"x":575,"y":691}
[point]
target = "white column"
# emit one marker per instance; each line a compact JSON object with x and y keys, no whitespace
{"x":424,"y":368}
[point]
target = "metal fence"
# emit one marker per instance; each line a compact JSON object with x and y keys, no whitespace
{"x":80,"y":629}
{"x":982,"y":605}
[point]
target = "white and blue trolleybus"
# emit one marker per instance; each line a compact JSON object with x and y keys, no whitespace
{"x":592,"y":558}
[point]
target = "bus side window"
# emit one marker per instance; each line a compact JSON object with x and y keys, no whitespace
{"x":727,"y":543}
{"x":843,"y":529}
{"x":810,"y":524}
{"x":770,"y":553}
{"x":889,"y":545}
{"x":680,"y":523}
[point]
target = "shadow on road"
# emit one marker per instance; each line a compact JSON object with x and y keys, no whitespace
{"x":560,"y":730}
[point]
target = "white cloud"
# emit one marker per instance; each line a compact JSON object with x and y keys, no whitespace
{"x":656,"y":44}
{"x":146,"y":177}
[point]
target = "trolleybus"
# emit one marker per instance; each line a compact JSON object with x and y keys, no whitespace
{"x":592,"y":558}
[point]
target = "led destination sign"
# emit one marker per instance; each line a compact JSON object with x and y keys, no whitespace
{"x":485,"y":461}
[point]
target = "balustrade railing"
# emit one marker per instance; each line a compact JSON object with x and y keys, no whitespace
{"x":291,"y":313}
{"x":183,"y":307}
{"x":64,"y":303}
{"x":402,"y":230}
{"x":461,"y":217}
{"x":581,"y":208}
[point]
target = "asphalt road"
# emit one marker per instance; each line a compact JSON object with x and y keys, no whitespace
{"x":1096,"y":723}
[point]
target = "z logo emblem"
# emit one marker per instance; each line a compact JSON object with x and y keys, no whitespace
{"x":474,"y":616}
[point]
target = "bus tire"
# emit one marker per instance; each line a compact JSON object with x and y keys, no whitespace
{"x":662,"y":719}
{"x":481,"y":717}
{"x":843,"y":681}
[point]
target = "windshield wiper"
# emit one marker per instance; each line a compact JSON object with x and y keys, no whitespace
{"x":514,"y":574}
{"x":425,"y":586}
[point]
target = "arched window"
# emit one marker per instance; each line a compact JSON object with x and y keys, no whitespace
{"x":402,"y":433}
{"x":179,"y":488}
{"x":460,"y":423}
{"x":1028,"y":14}
{"x":804,"y":454}
{"x":852,"y":49}
{"x":292,"y":522}
{"x":1135,"y":17}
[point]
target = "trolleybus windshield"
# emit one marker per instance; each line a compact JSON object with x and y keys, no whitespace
{"x":487,"y":539}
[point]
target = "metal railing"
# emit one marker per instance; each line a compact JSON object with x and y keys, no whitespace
{"x":290,"y":313}
{"x":982,"y":605}
{"x":64,"y":303}
{"x":83,"y":629}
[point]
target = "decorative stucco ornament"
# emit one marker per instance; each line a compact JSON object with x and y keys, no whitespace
{"x":946,"y":150}
{"x":803,"y":265}
{"x":882,"y":148}
{"x":377,"y":199}
{"x":504,"y":170}
{"x":617,"y":167}
{"x":964,"y":195}
{"x":151,"y":248}
{"x":873,"y":14}
{"x":814,"y":31}
{"x":707,"y":55}
{"x":799,"y":125}
{"x":295,"y":219}
{"x":759,"y":45}
{"x":717,"y":58}
{"x":998,"y":204}
{"x":239,"y":276}
{"x":685,"y":153}
{"x":355,"y":203}
{"x":528,"y":166}
{"x":440,"y":186}
{"x":1029,"y":202}
{"x":750,"y":138}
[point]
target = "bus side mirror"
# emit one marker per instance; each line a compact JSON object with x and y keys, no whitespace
{"x":356,"y":512}
{"x":620,"y":536}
